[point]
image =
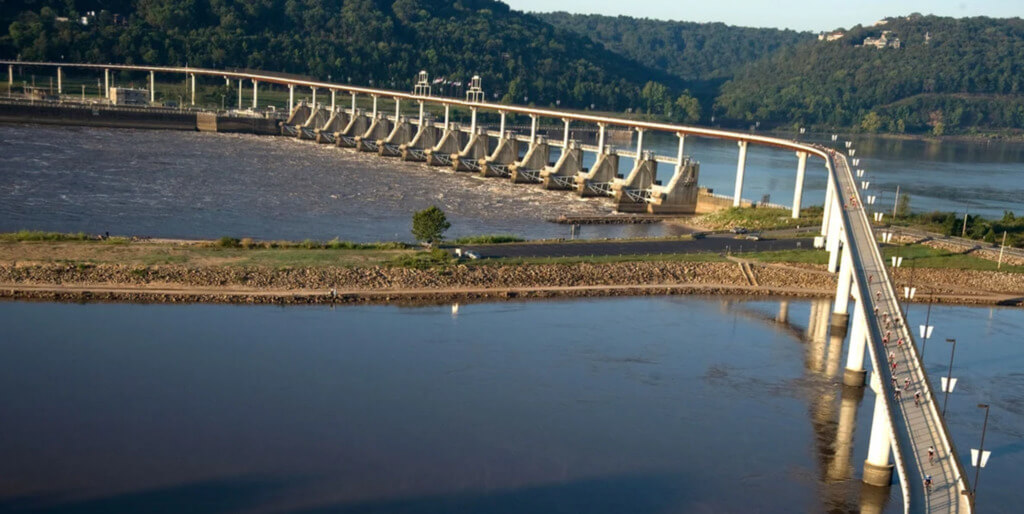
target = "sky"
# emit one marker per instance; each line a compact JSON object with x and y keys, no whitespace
{"x":816,"y":16}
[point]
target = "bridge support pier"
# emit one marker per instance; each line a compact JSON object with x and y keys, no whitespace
{"x":533,"y":126}
{"x":10,"y":76}
{"x":255,"y":93}
{"x":741,"y":166}
{"x":240,"y":94}
{"x":798,"y":192}
{"x":854,"y":374}
{"x":834,"y":238}
{"x":60,"y":81}
{"x":600,"y":138}
{"x":193,"y":88}
{"x":152,"y":87}
{"x":840,"y":314}
{"x":334,"y":99}
{"x":106,"y":84}
{"x":680,"y":157}
{"x":826,"y":212}
{"x":877,"y":467}
{"x":291,"y":97}
{"x":565,"y":135}
{"x":314,"y":98}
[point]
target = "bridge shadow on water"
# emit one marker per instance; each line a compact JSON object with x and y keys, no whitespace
{"x":635,"y":493}
{"x":214,"y":496}
{"x":653,"y":493}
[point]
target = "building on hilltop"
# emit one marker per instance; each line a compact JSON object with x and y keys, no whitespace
{"x":831,"y":36}
{"x":886,"y":40}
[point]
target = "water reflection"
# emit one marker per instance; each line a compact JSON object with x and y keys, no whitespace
{"x":834,"y":431}
{"x":671,"y":404}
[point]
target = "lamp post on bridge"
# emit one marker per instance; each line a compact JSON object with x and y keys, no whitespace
{"x":926,"y":329}
{"x":979,"y":457}
{"x":949,"y":383}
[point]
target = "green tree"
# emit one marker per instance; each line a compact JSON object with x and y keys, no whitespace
{"x":689,"y":108}
{"x":429,"y":225}
{"x":655,"y":95}
{"x":903,"y":206}
{"x":871,"y":122}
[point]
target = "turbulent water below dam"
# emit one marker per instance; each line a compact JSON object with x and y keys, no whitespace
{"x":208,"y":185}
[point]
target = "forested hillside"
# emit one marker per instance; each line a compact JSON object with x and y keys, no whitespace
{"x":386,"y":41}
{"x":948,"y":75}
{"x":694,"y":52}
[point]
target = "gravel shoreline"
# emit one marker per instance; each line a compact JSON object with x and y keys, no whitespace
{"x":257,"y":285}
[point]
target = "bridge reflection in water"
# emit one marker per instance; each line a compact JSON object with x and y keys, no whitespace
{"x":832,"y":407}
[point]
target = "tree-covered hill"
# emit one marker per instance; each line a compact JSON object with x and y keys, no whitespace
{"x":694,"y":52}
{"x":948,"y":75}
{"x":386,"y":41}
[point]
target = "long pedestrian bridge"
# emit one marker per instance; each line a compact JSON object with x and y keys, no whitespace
{"x":903,"y":428}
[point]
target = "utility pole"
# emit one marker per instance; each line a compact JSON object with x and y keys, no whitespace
{"x":896,"y":204}
{"x":1001,"y":248}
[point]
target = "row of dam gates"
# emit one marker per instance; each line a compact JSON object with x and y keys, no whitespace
{"x":505,"y":154}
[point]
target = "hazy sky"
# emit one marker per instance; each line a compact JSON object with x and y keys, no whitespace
{"x":793,"y":14}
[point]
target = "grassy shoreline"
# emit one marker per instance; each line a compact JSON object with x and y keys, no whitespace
{"x":27,"y":248}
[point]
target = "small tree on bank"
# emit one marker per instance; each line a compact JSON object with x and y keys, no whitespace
{"x":429,"y":225}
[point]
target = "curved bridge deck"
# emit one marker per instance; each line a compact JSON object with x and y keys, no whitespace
{"x":915,"y":428}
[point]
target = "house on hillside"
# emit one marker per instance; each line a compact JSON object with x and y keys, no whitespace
{"x":886,"y":40}
{"x":831,"y":36}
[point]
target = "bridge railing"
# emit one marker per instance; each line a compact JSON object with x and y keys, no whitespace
{"x":963,"y":484}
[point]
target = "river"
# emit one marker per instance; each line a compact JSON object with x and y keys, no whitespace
{"x":671,"y":404}
{"x":207,"y":185}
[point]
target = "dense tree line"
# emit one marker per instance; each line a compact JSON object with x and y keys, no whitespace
{"x":698,"y":53}
{"x":949,"y":76}
{"x":977,"y":227}
{"x":384,"y":41}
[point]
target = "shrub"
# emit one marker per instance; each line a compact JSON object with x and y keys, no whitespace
{"x":228,"y":242}
{"x":429,"y":225}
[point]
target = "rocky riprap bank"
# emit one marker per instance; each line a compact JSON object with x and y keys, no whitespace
{"x":314,"y":285}
{"x":236,"y":284}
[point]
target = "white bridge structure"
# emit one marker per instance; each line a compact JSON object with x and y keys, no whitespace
{"x":902,"y":430}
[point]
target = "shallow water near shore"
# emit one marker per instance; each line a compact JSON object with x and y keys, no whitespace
{"x":203,"y":185}
{"x":669,"y":404}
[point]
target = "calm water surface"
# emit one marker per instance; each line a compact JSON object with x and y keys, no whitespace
{"x":189,"y":184}
{"x":611,"y":405}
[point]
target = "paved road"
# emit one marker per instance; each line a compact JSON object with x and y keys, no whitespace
{"x":966,"y":244}
{"x":710,"y":244}
{"x":915,"y":427}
